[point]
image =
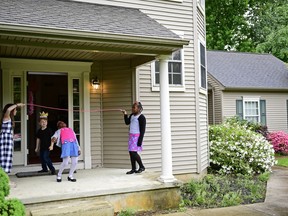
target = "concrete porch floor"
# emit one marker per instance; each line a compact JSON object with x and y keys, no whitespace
{"x":95,"y":183}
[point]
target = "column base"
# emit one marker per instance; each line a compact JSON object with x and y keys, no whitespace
{"x":167,"y":179}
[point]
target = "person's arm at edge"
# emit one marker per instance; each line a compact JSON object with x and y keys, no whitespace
{"x":142,"y":128}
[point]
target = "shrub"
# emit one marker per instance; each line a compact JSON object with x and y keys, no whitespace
{"x":12,"y":207}
{"x":224,"y":190}
{"x":4,"y":184}
{"x":254,"y":126}
{"x":235,"y":148}
{"x":9,"y":207}
{"x":279,"y":140}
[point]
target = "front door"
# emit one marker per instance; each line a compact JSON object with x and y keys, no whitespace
{"x":46,"y":92}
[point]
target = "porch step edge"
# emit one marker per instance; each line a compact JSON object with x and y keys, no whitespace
{"x":73,"y":208}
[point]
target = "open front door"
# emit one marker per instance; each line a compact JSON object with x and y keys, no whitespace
{"x":49,"y":93}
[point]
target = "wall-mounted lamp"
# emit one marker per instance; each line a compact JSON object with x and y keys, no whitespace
{"x":95,"y":83}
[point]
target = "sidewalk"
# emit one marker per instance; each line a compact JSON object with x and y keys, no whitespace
{"x":276,"y":202}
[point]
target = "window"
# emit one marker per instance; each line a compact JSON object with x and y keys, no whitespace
{"x":203,"y":74}
{"x":253,"y":110}
{"x":17,"y":99}
{"x":76,"y":108}
{"x":175,"y":70}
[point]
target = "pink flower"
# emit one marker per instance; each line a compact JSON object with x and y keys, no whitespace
{"x":279,"y":140}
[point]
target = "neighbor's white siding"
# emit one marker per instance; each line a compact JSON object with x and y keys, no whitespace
{"x":276,"y":108}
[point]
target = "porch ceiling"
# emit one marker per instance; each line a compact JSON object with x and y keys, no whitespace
{"x":74,"y":49}
{"x":78,"y":31}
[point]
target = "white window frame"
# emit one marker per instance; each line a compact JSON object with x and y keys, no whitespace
{"x":172,"y":87}
{"x":175,"y":0}
{"x":251,"y":99}
{"x":202,"y":89}
{"x":201,"y":4}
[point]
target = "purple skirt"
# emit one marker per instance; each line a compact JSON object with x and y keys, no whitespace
{"x":132,"y":143}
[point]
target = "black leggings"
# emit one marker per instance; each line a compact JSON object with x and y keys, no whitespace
{"x":134,"y":156}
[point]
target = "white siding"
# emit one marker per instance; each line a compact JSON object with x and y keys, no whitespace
{"x":201,"y":23}
{"x":276,"y":108}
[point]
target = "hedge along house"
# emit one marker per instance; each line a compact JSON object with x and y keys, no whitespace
{"x":51,"y":51}
{"x":249,"y":85}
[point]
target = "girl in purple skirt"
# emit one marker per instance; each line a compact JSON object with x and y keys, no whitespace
{"x":137,"y":122}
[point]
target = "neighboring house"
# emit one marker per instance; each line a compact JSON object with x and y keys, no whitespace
{"x":51,"y":51}
{"x":252,"y":86}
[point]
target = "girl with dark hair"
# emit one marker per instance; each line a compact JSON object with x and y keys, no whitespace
{"x":6,"y":135}
{"x":137,"y":122}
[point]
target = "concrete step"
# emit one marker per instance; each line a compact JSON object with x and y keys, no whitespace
{"x":72,"y":208}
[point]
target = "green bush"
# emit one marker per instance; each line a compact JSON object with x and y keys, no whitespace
{"x":9,"y":207}
{"x":12,"y":207}
{"x":235,"y":147}
{"x":4,"y":184}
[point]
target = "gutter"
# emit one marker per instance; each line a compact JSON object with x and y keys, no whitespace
{"x":87,"y":36}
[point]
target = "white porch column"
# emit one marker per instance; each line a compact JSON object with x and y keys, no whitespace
{"x":166,"y":146}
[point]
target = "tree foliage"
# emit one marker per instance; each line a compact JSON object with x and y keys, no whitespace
{"x":249,"y":26}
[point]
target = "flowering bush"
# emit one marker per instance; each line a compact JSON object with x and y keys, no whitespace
{"x":235,"y":148}
{"x":279,"y":140}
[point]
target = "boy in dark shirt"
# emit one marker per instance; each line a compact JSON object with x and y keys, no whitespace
{"x":43,"y":141}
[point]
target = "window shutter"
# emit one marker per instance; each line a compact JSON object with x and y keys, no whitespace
{"x":239,"y":108}
{"x":263,"y":112}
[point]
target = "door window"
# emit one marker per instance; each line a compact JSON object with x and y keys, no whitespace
{"x":17,"y":99}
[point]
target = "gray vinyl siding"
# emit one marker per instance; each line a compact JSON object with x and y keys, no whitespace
{"x":177,"y":17}
{"x":183,"y":125}
{"x":96,"y":120}
{"x":116,"y":94}
{"x":276,"y":110}
{"x":217,"y":97}
{"x":210,"y":107}
{"x":203,"y":132}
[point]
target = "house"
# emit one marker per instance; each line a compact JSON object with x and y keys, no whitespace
{"x":250,"y":85}
{"x":52,"y":51}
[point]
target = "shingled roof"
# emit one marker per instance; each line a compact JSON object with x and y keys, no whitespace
{"x":80,"y":16}
{"x":247,"y":70}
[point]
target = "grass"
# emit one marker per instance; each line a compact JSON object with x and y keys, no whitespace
{"x":282,"y":160}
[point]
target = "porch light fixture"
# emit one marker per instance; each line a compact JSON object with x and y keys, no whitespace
{"x":95,"y":83}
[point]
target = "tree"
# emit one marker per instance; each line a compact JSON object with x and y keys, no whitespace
{"x":271,"y":31}
{"x":248,"y":26}
{"x":227,"y":27}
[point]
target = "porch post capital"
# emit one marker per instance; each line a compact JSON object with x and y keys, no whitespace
{"x":163,"y":57}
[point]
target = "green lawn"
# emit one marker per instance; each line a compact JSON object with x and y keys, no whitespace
{"x":282,"y":161}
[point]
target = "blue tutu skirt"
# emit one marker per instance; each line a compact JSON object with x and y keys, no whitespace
{"x":69,"y":149}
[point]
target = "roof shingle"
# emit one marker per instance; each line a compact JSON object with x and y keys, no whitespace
{"x":72,"y":15}
{"x":247,"y":70}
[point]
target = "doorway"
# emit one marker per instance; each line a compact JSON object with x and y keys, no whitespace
{"x":49,"y":93}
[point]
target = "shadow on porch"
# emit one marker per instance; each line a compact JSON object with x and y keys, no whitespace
{"x":105,"y":187}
